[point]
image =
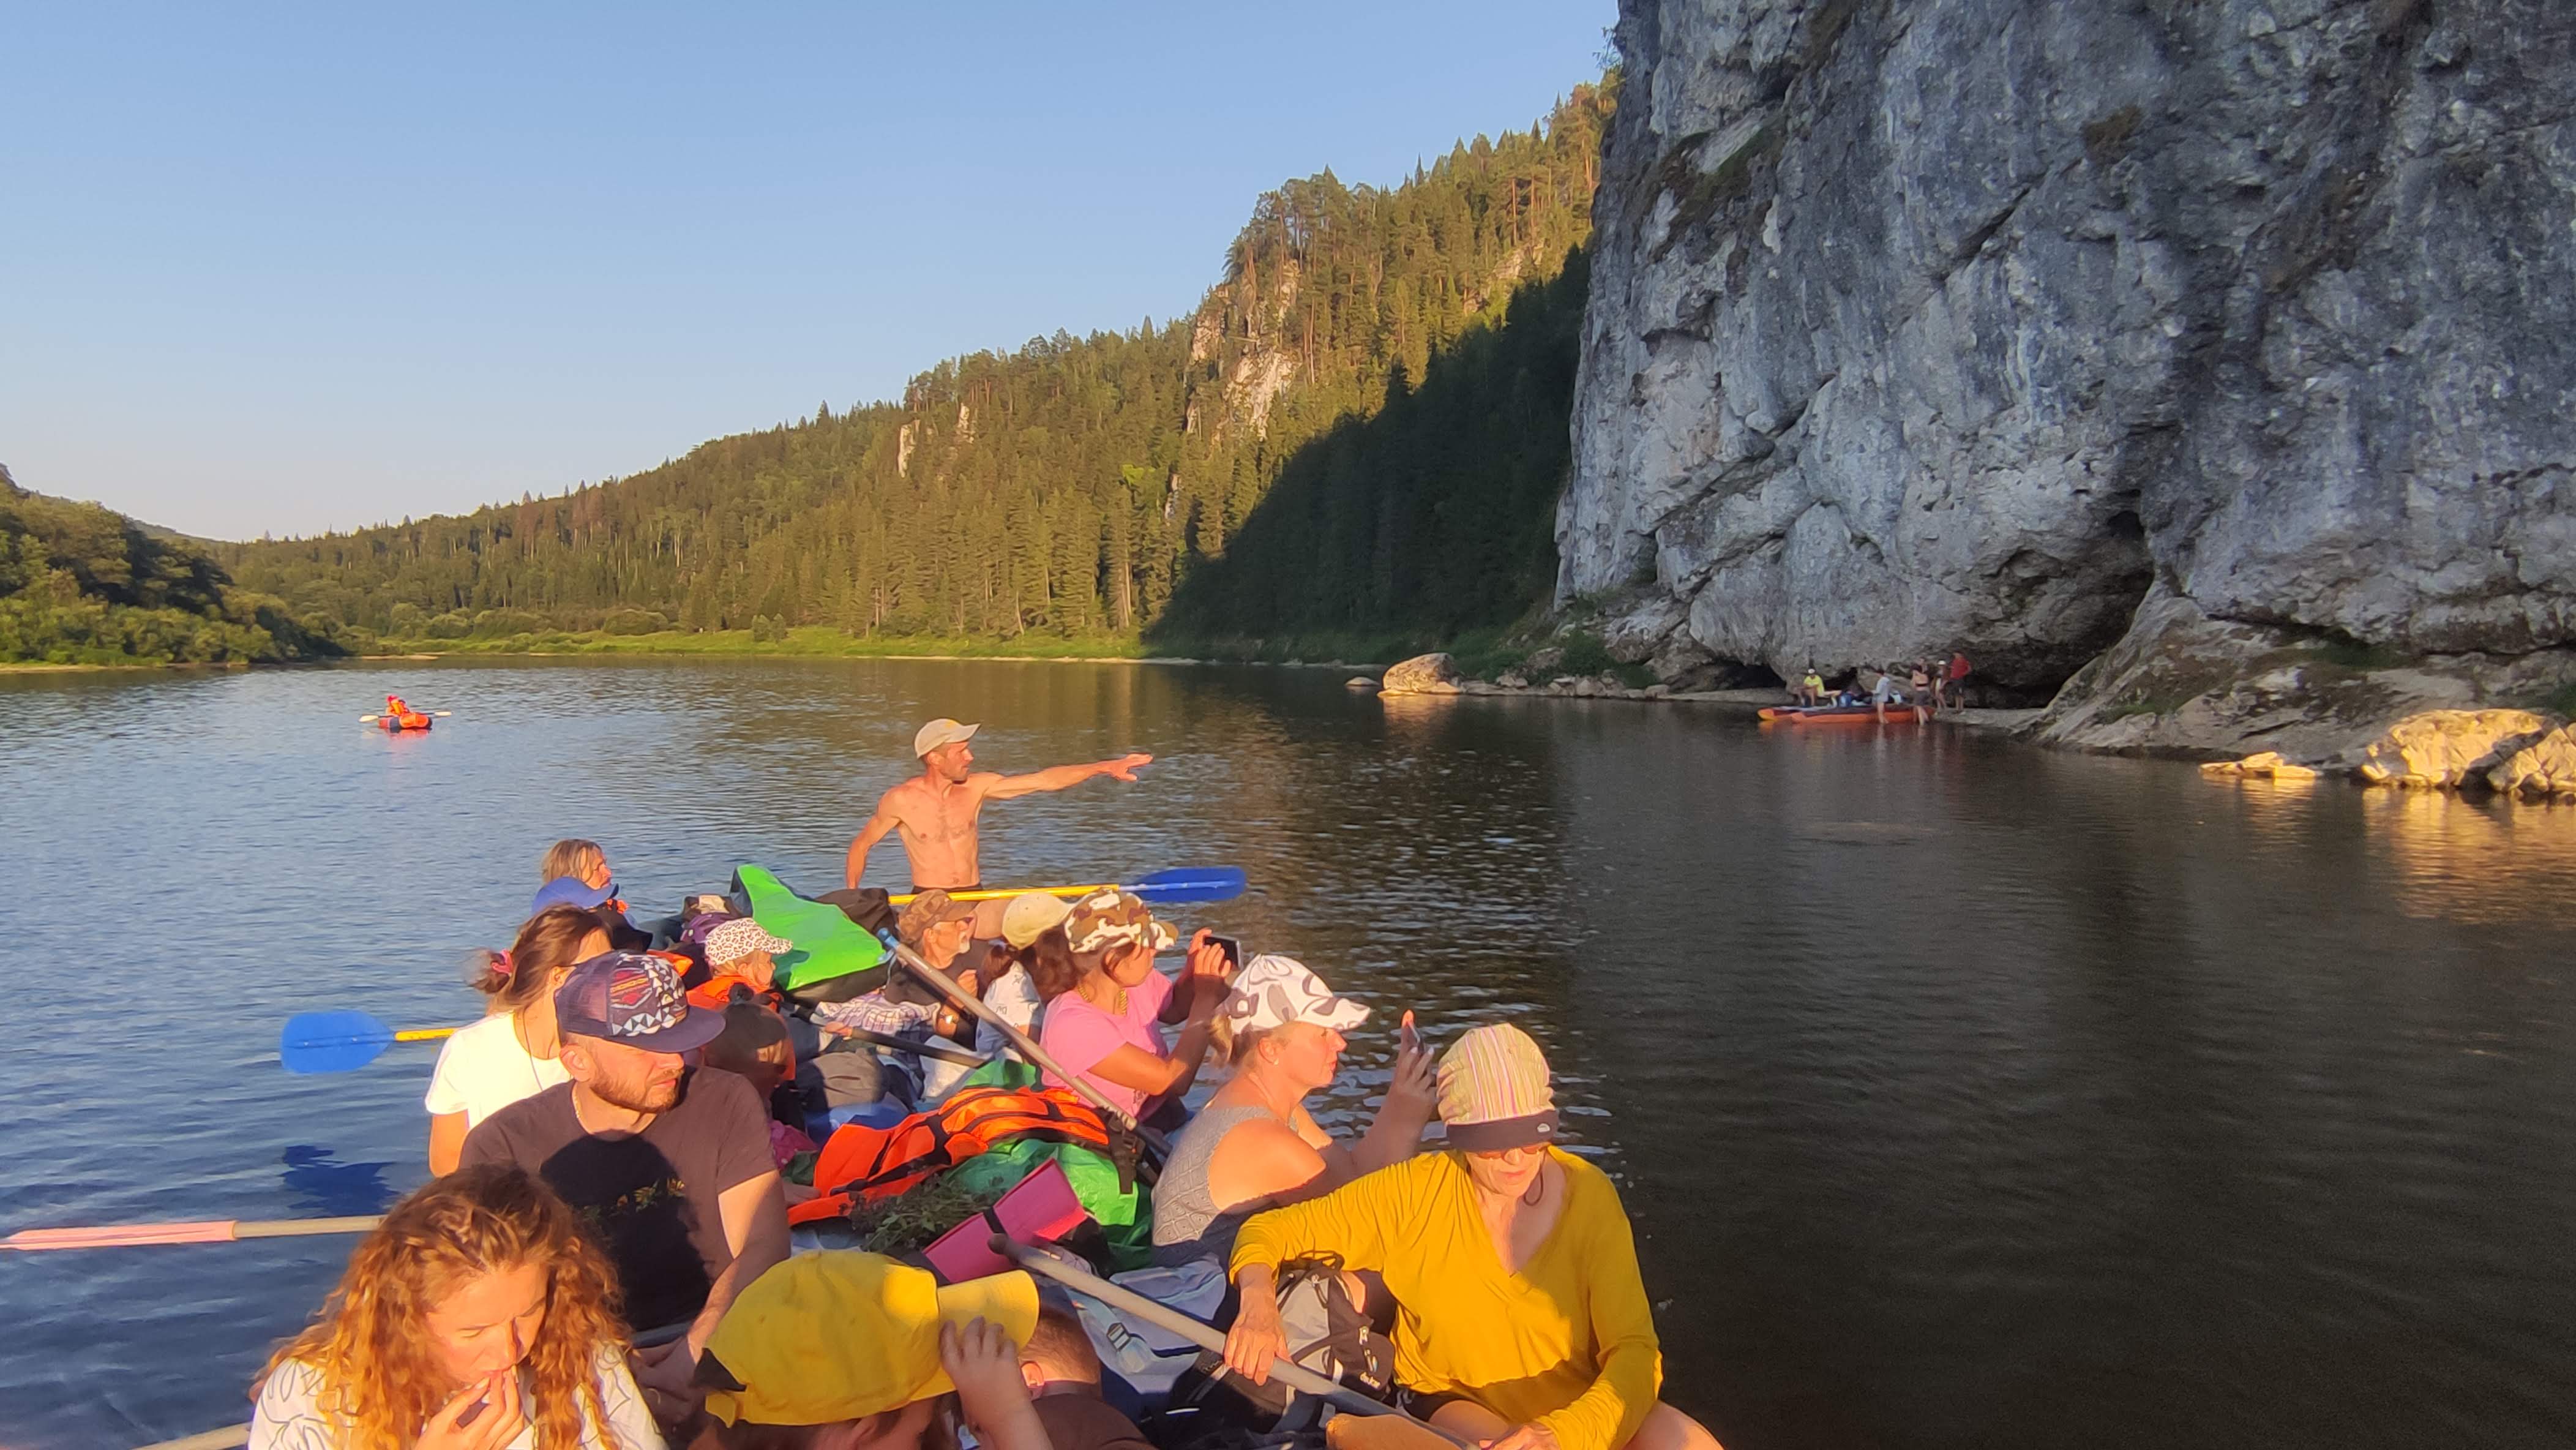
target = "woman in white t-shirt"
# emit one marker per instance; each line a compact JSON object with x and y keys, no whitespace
{"x":475,"y":1317}
{"x":510,"y":1054}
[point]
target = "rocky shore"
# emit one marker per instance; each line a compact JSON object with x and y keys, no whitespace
{"x":1438,"y":675}
{"x":2521,"y":754}
{"x":2199,"y":369}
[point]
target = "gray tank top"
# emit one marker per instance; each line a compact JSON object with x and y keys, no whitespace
{"x":1187,"y":1224}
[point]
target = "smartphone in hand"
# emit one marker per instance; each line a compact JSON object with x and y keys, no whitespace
{"x":1411,"y":1038}
{"x":1233,"y":949}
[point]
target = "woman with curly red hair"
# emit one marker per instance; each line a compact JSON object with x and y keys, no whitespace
{"x":474,"y":1318}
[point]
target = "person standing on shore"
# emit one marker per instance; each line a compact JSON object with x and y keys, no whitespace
{"x":936,"y":812}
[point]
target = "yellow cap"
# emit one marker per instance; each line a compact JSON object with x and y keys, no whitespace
{"x":1031,"y":914}
{"x":837,"y":1335}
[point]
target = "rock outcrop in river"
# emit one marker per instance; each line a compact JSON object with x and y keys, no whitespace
{"x":2213,"y":360}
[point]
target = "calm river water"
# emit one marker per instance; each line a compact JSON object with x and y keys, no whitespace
{"x":1964,"y":1094}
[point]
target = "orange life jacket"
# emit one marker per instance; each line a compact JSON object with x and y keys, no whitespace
{"x":864,"y":1164}
{"x":716,"y":993}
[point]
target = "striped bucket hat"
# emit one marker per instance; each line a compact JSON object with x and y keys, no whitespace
{"x":1494,"y":1093}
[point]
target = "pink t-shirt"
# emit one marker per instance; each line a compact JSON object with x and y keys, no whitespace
{"x":1078,"y":1035}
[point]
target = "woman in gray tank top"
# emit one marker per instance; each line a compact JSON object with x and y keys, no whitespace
{"x":1254,"y":1146}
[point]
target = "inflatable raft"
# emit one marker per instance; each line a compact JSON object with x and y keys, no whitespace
{"x":1837,"y":715}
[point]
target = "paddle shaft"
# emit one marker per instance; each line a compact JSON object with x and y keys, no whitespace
{"x":1006,"y":892}
{"x":1178,"y":884}
{"x":214,"y":1231}
{"x":223,"y":1439}
{"x":933,"y":1048}
{"x":1127,"y":1301}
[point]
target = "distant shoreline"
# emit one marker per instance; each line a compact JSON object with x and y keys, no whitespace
{"x":796,"y":654}
{"x":47,"y":667}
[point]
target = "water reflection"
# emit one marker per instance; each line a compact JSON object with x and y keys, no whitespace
{"x":1962,"y":1094}
{"x":2473,"y":859}
{"x":327,"y":1188}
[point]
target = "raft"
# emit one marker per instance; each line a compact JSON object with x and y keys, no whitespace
{"x":411,"y":720}
{"x":1838,"y":715}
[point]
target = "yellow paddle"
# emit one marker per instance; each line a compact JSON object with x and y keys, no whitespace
{"x":1179,"y":884}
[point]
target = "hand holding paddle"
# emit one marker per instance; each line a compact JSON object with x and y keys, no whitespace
{"x":1163,"y":1316}
{"x":967,"y":1002}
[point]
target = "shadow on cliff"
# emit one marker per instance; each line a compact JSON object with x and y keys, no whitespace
{"x":1434,"y":515}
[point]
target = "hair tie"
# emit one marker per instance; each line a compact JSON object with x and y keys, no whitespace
{"x":501,"y":964}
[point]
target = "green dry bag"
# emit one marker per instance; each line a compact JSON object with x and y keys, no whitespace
{"x":828,"y":943}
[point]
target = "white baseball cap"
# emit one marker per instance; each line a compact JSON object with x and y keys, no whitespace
{"x":1274,"y":991}
{"x":939,"y":732}
{"x":1031,"y":914}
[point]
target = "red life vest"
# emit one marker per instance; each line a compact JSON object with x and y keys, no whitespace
{"x":864,"y":1164}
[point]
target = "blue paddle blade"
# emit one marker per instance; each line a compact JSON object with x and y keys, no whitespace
{"x":1190,"y":883}
{"x":332,"y":1041}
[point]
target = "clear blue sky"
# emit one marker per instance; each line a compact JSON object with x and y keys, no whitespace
{"x":287,"y":269}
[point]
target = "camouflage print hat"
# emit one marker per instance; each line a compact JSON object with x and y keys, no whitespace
{"x":1110,"y":917}
{"x":929,"y":909}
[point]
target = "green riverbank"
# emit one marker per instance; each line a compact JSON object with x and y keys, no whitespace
{"x":820,"y":641}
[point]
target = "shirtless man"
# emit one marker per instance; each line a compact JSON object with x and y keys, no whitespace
{"x":936,"y":810}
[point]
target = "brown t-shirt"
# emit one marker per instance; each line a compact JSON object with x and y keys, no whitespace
{"x":648,"y":1199}
{"x":1079,"y":1421}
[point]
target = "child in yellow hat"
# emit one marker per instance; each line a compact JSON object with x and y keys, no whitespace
{"x":850,"y":1351}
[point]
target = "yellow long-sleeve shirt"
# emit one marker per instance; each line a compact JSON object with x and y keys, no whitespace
{"x":1568,"y":1342}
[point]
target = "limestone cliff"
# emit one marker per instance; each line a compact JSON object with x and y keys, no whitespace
{"x":2178,"y":343}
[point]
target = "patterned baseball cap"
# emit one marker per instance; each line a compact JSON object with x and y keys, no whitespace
{"x":634,"y":999}
{"x":1111,"y":917}
{"x":733,"y":940}
{"x":1274,"y":991}
{"x":1494,"y":1092}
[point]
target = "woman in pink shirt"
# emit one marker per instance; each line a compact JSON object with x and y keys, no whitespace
{"x":1108,"y":1028}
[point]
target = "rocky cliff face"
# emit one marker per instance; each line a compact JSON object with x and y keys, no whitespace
{"x":2163,"y":346}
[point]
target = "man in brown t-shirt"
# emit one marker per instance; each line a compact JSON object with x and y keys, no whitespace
{"x":669,"y":1168}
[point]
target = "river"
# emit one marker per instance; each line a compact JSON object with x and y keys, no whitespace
{"x":1963,"y":1094}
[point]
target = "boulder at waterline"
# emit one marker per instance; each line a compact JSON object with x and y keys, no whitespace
{"x":2544,"y":768}
{"x":1431,"y":674}
{"x":2448,"y":748}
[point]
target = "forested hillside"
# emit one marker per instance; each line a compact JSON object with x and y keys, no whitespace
{"x":81,"y":584}
{"x":1361,"y":428}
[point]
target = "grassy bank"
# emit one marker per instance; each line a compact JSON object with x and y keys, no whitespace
{"x":51,"y":667}
{"x":812,"y":642}
{"x":1482,"y":654}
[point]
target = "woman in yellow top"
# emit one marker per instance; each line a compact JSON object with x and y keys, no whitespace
{"x":1522,"y":1321}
